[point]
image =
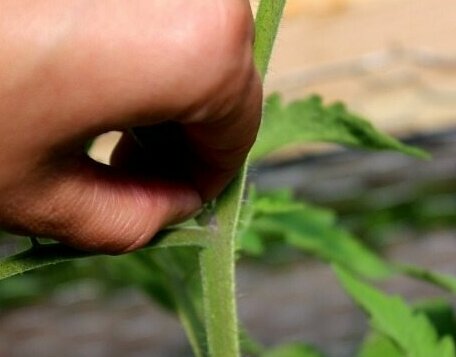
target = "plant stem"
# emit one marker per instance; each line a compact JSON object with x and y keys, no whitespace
{"x":193,"y":326}
{"x":218,"y":276}
{"x":185,"y":302}
{"x":50,"y":254}
{"x":267,"y":23}
{"x":217,"y":260}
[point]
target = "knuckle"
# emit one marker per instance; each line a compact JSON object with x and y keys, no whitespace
{"x":221,"y":59}
{"x":224,"y":38}
{"x":236,"y":26}
{"x":221,"y":31}
{"x":236,"y":39}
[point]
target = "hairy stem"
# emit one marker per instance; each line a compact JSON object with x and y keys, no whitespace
{"x":218,"y":276}
{"x":267,"y":23}
{"x":217,"y":260}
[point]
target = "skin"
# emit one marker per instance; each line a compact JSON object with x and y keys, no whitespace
{"x":182,"y":70}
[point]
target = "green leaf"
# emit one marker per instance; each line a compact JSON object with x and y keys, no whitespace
{"x":50,"y":254}
{"x":330,"y":243}
{"x":181,"y":270}
{"x":22,"y":291}
{"x":377,"y":345}
{"x":249,"y":346}
{"x":251,"y":243}
{"x":171,"y":278}
{"x":309,"y":120}
{"x":440,"y":313}
{"x":409,"y":330}
{"x":146,"y":277}
{"x":277,"y":202}
{"x":293,"y":350}
{"x":445,"y":282}
{"x":315,"y":231}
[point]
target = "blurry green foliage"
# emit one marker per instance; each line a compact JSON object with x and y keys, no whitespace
{"x":441,"y":314}
{"x":309,"y":120}
{"x":310,"y":229}
{"x":377,"y":345}
{"x":292,"y":350}
{"x":411,"y":331}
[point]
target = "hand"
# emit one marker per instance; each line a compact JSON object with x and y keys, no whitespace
{"x":181,"y":70}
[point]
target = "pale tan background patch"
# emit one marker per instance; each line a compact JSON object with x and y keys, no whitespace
{"x":393,"y":61}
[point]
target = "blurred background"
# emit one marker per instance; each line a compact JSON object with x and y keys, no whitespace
{"x":392,"y":61}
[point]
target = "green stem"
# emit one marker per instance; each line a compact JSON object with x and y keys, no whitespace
{"x":218,"y":276}
{"x":217,"y":260}
{"x":267,"y":23}
{"x":185,"y":302}
{"x":188,"y":315}
{"x":50,"y":254}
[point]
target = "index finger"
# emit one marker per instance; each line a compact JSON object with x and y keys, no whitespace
{"x":221,"y":143}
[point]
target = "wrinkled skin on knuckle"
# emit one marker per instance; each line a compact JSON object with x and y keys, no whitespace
{"x":221,"y":60}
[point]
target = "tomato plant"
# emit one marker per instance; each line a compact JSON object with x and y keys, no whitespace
{"x":190,"y":269}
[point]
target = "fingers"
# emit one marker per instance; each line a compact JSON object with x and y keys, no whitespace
{"x":97,"y":208}
{"x":221,"y":144}
{"x":220,"y":121}
{"x":144,"y":62}
{"x":185,"y":66}
{"x":208,"y":153}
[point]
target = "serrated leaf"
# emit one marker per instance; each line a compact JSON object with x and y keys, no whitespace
{"x":309,"y":120}
{"x":377,"y":345}
{"x":391,"y":316}
{"x":441,"y":315}
{"x":50,"y":254}
{"x":292,"y":350}
{"x":443,"y":281}
{"x":314,"y":230}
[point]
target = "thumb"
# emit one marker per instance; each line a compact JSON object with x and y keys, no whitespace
{"x":99,"y":208}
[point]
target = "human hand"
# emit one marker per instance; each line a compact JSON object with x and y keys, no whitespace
{"x":71,"y":70}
